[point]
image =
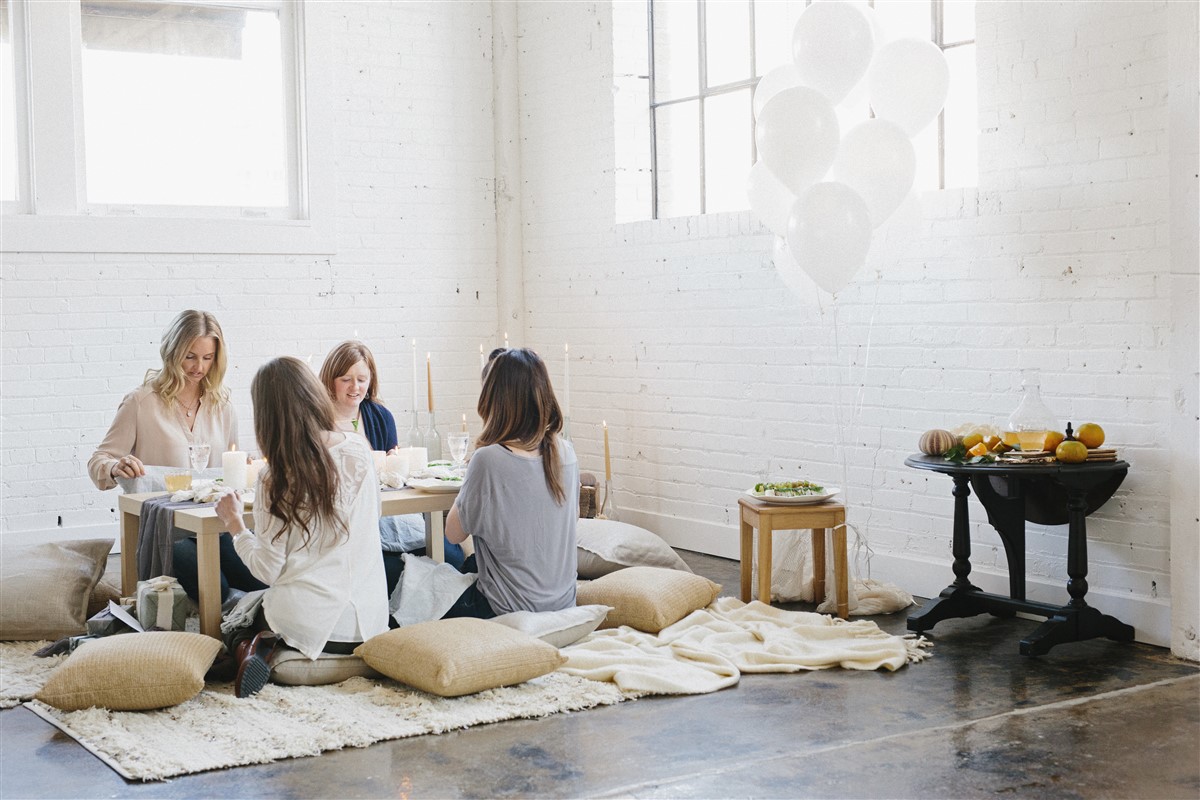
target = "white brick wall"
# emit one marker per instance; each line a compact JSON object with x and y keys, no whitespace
{"x":686,"y":340}
{"x":416,"y":248}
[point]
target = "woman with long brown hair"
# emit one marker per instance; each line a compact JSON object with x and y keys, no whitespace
{"x":316,"y":525}
{"x":520,"y":499}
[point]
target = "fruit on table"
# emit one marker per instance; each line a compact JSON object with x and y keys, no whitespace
{"x":991,"y":442}
{"x":980,"y":449}
{"x":1053,"y":440}
{"x":1091,"y":434}
{"x":936,"y":442}
{"x":972,"y":439}
{"x":1000,"y":448}
{"x":1071,"y":452}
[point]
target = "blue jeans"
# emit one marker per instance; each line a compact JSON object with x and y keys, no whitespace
{"x":234,"y":573}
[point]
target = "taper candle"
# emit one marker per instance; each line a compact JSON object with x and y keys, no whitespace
{"x":482,"y":359}
{"x":464,"y":423}
{"x":506,"y":340}
{"x":429,"y":378}
{"x":607,"y":460}
{"x":566,"y":405}
{"x":414,"y":376}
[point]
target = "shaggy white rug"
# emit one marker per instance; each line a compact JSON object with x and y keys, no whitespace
{"x":216,"y":729}
{"x":22,"y":673}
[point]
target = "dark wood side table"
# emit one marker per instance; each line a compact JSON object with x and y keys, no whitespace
{"x":1047,"y":494}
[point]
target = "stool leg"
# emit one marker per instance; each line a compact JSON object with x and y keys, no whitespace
{"x":747,"y":559}
{"x":841,"y":571}
{"x":818,"y":554}
{"x":764,"y":560}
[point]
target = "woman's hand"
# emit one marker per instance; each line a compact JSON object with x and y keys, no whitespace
{"x":128,"y":467}
{"x":229,"y":511}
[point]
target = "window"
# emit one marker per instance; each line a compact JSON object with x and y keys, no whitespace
{"x":12,"y":138}
{"x":705,"y":58}
{"x":147,"y":113}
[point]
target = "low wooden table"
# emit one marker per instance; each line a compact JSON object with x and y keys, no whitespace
{"x":203,"y":522}
{"x":818,"y":518}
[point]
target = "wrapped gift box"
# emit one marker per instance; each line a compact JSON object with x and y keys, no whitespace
{"x":162,"y":603}
{"x":106,"y":623}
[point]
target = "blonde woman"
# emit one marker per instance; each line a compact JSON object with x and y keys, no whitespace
{"x":316,"y":526}
{"x":181,"y":403}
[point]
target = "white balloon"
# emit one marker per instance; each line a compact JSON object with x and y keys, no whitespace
{"x":829,"y":234}
{"x":769,"y":199}
{"x":907,"y":82}
{"x":832,"y":46}
{"x":877,"y":160}
{"x":797,"y":136}
{"x":773,"y":83}
{"x":789,"y":271}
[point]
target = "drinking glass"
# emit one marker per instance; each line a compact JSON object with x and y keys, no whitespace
{"x":458,"y":447}
{"x":198,"y":453}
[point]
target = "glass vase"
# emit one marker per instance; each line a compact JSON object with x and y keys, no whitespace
{"x":415,"y":437}
{"x":1030,"y":423}
{"x":433,"y":440}
{"x":608,"y":507}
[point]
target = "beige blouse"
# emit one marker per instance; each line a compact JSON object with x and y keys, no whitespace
{"x":159,"y":435}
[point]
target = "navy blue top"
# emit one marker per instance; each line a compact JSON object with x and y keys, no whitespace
{"x":378,"y":425}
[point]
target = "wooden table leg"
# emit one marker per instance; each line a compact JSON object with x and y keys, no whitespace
{"x":435,"y":545}
{"x":129,"y":543}
{"x":818,"y":554}
{"x":208,"y":579}
{"x":764,"y":560}
{"x":747,"y":559}
{"x":841,"y":571}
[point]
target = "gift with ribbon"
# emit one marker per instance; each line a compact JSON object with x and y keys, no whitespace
{"x":162,"y":603}
{"x":107,"y":623}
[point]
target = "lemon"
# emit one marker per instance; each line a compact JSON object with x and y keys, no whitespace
{"x":971,"y":440}
{"x":1091,"y":434}
{"x":1053,"y":440}
{"x":1071,"y":453}
{"x":980,"y":449}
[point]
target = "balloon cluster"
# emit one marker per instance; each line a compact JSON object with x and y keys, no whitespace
{"x":821,"y":191}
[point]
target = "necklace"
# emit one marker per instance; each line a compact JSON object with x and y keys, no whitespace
{"x":188,"y":410}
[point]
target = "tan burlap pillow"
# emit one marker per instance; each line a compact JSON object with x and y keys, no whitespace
{"x":648,"y":598}
{"x":453,"y":657}
{"x":45,"y":587}
{"x":132,"y":672}
{"x":293,"y":668}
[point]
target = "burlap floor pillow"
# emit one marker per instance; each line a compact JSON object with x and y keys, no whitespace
{"x":132,"y":672}
{"x":648,"y":598}
{"x":558,"y":628}
{"x":292,"y":668}
{"x":45,"y":587}
{"x":606,"y":546}
{"x":453,"y":657}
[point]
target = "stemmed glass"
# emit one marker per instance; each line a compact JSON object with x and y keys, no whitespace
{"x":198,"y":453}
{"x":458,"y":442}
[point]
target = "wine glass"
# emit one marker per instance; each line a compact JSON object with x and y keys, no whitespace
{"x":198,"y":453}
{"x":458,"y":442}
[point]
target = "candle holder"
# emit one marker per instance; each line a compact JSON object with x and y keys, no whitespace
{"x":432,"y":439}
{"x":608,"y":507}
{"x":566,"y":428}
{"x":415,"y":437}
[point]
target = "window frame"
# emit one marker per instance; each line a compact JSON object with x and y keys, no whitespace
{"x":56,"y":217}
{"x":704,"y":92}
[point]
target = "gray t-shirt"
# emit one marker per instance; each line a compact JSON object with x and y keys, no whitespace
{"x":524,"y":540}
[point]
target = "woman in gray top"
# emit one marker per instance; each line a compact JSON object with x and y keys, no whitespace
{"x":520,"y":499}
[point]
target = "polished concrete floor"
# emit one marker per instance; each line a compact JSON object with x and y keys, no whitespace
{"x":1093,"y":719}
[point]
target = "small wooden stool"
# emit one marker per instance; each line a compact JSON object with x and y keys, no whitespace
{"x":818,"y":517}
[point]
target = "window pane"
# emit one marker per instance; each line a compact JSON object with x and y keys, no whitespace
{"x":962,"y":125}
{"x":183,"y":104}
{"x":727,"y":41}
{"x":727,"y":153}
{"x":774,"y":21}
{"x":901,"y":18}
{"x":958,"y":21}
{"x":677,"y":138}
{"x":9,"y":178}
{"x":676,"y":49}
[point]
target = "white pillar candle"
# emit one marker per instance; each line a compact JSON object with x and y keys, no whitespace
{"x":233,"y":468}
{"x":397,"y":462}
{"x":256,"y":466}
{"x":418,"y":459}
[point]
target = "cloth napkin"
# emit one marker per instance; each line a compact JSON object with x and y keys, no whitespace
{"x":156,"y":536}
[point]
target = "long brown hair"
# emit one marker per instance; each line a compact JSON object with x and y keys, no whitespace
{"x":342,"y":358}
{"x":517,"y":404}
{"x":292,"y":414}
{"x":186,"y":328}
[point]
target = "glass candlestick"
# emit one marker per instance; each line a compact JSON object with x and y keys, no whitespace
{"x":433,"y":440}
{"x":566,"y":428}
{"x":608,"y":507}
{"x":415,"y":437}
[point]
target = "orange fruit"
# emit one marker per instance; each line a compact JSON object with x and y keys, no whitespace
{"x":980,"y":449}
{"x":1091,"y":434}
{"x":1001,"y":447}
{"x":1071,"y":452}
{"x":971,"y":440}
{"x":991,"y":442}
{"x":1053,"y":440}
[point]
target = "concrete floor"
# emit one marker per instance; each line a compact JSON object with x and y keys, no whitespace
{"x":1091,"y":719}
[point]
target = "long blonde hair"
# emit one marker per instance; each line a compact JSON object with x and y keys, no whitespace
{"x":517,"y":404}
{"x":292,"y":414}
{"x":184,"y":329}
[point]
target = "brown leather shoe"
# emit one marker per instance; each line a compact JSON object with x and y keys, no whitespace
{"x":254,"y":668}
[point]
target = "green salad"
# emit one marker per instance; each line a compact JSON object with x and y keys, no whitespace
{"x":789,"y":488}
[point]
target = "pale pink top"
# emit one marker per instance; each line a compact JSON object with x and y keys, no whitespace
{"x":159,"y":435}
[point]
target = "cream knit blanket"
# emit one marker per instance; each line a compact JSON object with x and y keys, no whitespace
{"x":710,"y":648}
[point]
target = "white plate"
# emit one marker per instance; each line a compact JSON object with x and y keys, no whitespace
{"x":802,"y":500}
{"x":435,"y":486}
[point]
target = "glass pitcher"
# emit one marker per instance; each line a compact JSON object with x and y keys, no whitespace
{"x":1029,"y":425}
